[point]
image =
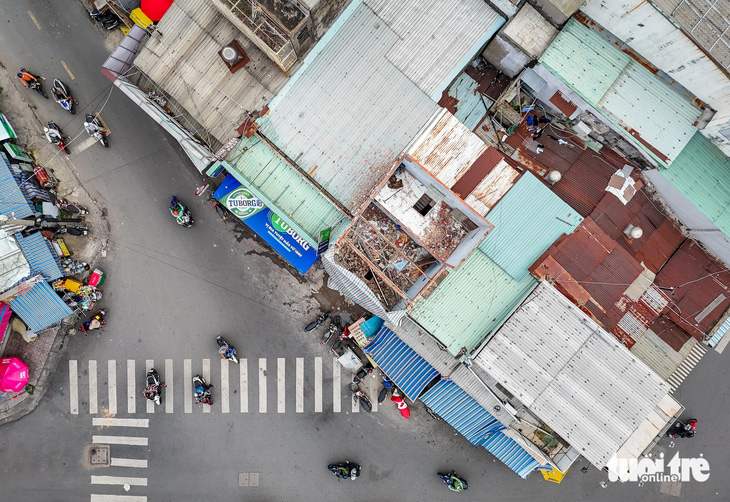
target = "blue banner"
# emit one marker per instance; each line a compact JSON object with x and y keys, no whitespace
{"x":271,"y":227}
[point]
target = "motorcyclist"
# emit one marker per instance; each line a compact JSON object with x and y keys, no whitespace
{"x":455,"y":484}
{"x":151,"y":392}
{"x":27,"y":78}
{"x":95,"y":322}
{"x":52,"y":135}
{"x":92,"y":128}
{"x":58,"y":96}
{"x":178,"y":211}
{"x":226,"y":351}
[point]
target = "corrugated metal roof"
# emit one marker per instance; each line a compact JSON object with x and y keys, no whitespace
{"x":654,"y":114}
{"x":492,"y":187}
{"x":527,"y":220}
{"x":446,"y":148}
{"x":658,"y":355}
{"x":530,"y":30}
{"x":639,"y":101}
{"x":254,"y":161}
{"x":573,"y":375}
{"x":409,"y":371}
{"x":585,"y":61}
{"x":700,"y":173}
{"x":184,"y":62}
{"x":424,"y":345}
{"x":465,"y":102}
{"x":39,"y":307}
{"x":470,"y":302}
{"x":350,"y":112}
{"x":510,"y":453}
{"x":13,"y":202}
{"x":41,"y":256}
{"x":436,"y":38}
{"x":481,"y":167}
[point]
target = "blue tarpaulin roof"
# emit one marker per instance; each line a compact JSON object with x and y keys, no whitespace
{"x":12,"y":200}
{"x":409,"y":371}
{"x":40,"y":255}
{"x":40,"y":307}
{"x":471,"y":420}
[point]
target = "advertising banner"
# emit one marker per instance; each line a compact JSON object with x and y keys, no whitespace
{"x":271,"y":227}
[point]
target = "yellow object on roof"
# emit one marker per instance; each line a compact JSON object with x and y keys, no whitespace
{"x":140,"y":18}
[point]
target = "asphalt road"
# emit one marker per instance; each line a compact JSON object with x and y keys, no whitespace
{"x":171,"y":290}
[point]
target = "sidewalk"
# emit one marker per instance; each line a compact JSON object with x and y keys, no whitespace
{"x":43,"y":355}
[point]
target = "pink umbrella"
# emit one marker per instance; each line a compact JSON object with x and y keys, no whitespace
{"x":13,"y":374}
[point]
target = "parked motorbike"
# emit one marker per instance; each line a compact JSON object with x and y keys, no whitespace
{"x":686,"y":429}
{"x":181,"y":213}
{"x":72,"y":229}
{"x":340,"y":340}
{"x":345,"y":470}
{"x":55,"y":137}
{"x":218,"y":207}
{"x":201,"y":391}
{"x":153,"y":391}
{"x":314,"y":324}
{"x":387,"y":388}
{"x":359,"y":395}
{"x":97,"y":321}
{"x":32,"y":81}
{"x":454,"y":482}
{"x":226,"y":351}
{"x":108,"y":19}
{"x":63,"y":97}
{"x":95,"y":130}
{"x":334,"y":327}
{"x":70,"y":207}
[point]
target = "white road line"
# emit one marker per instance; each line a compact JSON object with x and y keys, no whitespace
{"x":300,"y":385}
{"x":355,"y":403}
{"x":206,"y":377}
{"x":168,"y":389}
{"x":118,"y":480}
{"x":93,"y":399}
{"x":83,"y":145}
{"x":128,"y":462}
{"x":336,"y":386}
{"x":262,"y":385}
{"x":117,"y":498}
{"x":112,"y":383}
{"x":120,"y":422}
{"x":243,"y":388}
{"x":372,"y":391}
{"x":73,"y":386}
{"x":225,"y":390}
{"x":280,"y":385}
{"x":317,"y":384}
{"x":131,"y":401}
{"x":149,"y":364}
{"x":188,"y":386}
{"x":128,"y":440}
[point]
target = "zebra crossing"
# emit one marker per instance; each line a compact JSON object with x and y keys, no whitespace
{"x":125,"y":469}
{"x":263,"y":385}
{"x":686,"y":366}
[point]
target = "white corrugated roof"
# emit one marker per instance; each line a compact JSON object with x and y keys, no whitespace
{"x":574,"y":375}
{"x":184,"y":62}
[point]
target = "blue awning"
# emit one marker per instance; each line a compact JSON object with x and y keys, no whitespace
{"x":409,"y":371}
{"x":29,"y":189}
{"x":39,"y":307}
{"x":12,"y":200}
{"x":40,"y":255}
{"x":476,"y":424}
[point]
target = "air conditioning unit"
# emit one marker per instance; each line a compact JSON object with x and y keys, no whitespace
{"x":234,"y":56}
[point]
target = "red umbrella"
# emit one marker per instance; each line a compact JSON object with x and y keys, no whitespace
{"x":155,"y":9}
{"x":402,"y":406}
{"x":13,"y":374}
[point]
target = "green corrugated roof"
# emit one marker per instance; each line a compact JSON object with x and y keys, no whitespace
{"x":528,"y":219}
{"x":585,"y":61}
{"x":622,"y":89}
{"x":283,"y":186}
{"x":701,"y":173}
{"x":470,"y":302}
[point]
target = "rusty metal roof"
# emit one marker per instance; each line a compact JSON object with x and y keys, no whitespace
{"x":564,"y":105}
{"x":481,"y":167}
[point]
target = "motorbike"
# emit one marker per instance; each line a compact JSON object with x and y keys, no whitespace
{"x":359,"y":395}
{"x":334,"y":327}
{"x":314,"y":324}
{"x":218,"y":207}
{"x":454,"y":482}
{"x":32,"y":81}
{"x":97,"y":321}
{"x":95,"y":130}
{"x":181,"y":213}
{"x":226,"y":351}
{"x":686,"y":429}
{"x":201,"y":391}
{"x":387,"y":388}
{"x":345,"y":470}
{"x":72,"y":229}
{"x":55,"y":137}
{"x":153,"y":391}
{"x":63,"y":97}
{"x":340,"y":340}
{"x":70,"y":207}
{"x":108,"y":19}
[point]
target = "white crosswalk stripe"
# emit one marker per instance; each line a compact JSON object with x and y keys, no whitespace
{"x":128,"y":462}
{"x":118,"y":480}
{"x":128,"y":440}
{"x":95,"y":497}
{"x":120,"y":422}
{"x":289,"y":393}
{"x":122,"y":463}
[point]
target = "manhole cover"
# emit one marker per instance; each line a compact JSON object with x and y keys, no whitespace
{"x":99,"y":454}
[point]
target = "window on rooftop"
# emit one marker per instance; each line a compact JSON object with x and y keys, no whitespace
{"x":424,"y":204}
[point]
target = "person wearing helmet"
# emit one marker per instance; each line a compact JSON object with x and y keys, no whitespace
{"x":26,"y":77}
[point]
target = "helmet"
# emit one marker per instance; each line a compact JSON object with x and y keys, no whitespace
{"x":45,"y":129}
{"x":20,"y":75}
{"x":176,"y":211}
